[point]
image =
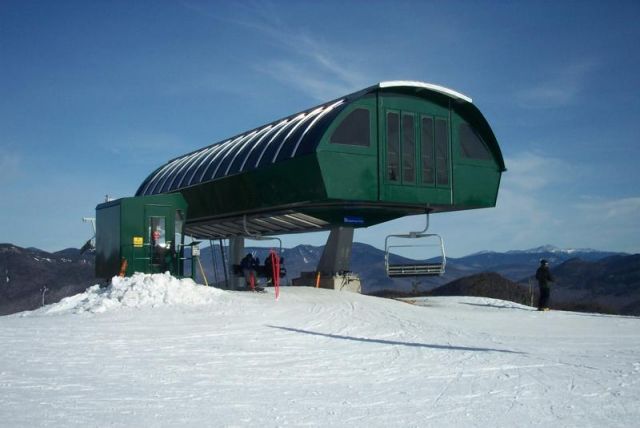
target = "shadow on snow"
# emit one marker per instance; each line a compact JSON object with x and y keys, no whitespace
{"x":393,"y":342}
{"x":491,"y":305}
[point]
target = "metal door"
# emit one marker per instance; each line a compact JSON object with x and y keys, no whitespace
{"x":159,"y":232}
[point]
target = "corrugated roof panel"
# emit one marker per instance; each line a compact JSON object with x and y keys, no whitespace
{"x":200,"y":164}
{"x":228,"y":156}
{"x":184,"y":170}
{"x":180,"y":172}
{"x":173,"y":173}
{"x":215,"y":160}
{"x":327,"y":110}
{"x":265,"y":145}
{"x":243,"y":151}
{"x":316,"y":129}
{"x":291,"y":134}
{"x":254,"y":148}
{"x":258,"y":149}
{"x":153,"y":184}
{"x":191,"y":167}
{"x":267,"y":153}
{"x":206,"y":162}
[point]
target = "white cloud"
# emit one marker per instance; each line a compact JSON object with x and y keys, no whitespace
{"x":560,"y":88}
{"x":627,"y":208}
{"x":308,"y":79}
{"x":621,"y":211}
{"x":309,"y":63}
{"x":531,"y":172}
{"x":534,"y":209}
{"x":311,"y":68}
{"x":296,"y":58}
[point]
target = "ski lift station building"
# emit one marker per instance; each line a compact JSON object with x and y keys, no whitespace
{"x":387,"y":151}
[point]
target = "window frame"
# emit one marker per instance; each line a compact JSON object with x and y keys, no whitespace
{"x":463,"y":156}
{"x":388,"y":179}
{"x":403,"y":147}
{"x":343,"y":120}
{"x":447,"y":151}
{"x":432,"y":157}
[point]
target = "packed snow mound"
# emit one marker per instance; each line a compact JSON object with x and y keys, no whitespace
{"x":137,"y":291}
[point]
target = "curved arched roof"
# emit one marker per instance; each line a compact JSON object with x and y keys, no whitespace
{"x":287,"y":138}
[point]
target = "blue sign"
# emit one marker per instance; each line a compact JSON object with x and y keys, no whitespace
{"x":353,"y":220}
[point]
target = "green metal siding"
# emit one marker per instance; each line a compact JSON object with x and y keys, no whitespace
{"x":119,"y":221}
{"x":278,"y":185}
{"x":108,"y":241}
{"x":477,"y":181}
{"x":350,"y":172}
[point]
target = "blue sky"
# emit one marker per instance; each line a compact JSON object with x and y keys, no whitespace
{"x":95,"y":95}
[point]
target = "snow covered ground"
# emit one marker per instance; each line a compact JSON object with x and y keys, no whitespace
{"x":155,"y":351}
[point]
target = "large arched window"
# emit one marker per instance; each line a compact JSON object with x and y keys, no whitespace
{"x":471,"y":144}
{"x":354,"y":129}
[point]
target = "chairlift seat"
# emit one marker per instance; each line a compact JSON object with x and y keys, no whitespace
{"x":419,"y":268}
{"x":423,"y":269}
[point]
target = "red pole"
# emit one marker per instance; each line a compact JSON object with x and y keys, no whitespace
{"x":275,"y":271}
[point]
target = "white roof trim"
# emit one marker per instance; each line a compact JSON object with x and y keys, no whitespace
{"x":416,"y":84}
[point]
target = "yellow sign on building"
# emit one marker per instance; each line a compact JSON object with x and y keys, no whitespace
{"x":138,"y":241}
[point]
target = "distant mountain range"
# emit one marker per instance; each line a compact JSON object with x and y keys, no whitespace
{"x":519,"y":264}
{"x":608,"y":280}
{"x":26,"y":274}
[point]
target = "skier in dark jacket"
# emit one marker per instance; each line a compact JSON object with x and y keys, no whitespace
{"x":248,"y":265}
{"x":268,"y":268}
{"x":543,"y":275}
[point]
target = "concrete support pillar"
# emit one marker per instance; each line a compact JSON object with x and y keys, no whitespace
{"x":336,"y":257}
{"x":236,"y":253}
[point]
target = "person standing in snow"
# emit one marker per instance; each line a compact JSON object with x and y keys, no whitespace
{"x":543,"y":275}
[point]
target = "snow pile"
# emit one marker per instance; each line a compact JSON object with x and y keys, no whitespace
{"x":140,"y":290}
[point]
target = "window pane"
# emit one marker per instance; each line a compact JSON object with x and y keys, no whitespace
{"x":393,"y":146}
{"x":471,"y":144}
{"x":442,"y":152}
{"x":426,"y":150}
{"x":408,"y":149}
{"x":354,"y":129}
{"x":157,"y":238}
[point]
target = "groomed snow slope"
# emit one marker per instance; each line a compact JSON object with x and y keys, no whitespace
{"x":155,"y":351}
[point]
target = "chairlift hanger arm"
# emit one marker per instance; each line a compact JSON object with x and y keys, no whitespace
{"x":258,"y":237}
{"x":91,"y":220}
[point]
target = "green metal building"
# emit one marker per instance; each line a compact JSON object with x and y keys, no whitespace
{"x":387,"y":151}
{"x":145,"y":231}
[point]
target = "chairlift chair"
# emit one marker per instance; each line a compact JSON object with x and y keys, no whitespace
{"x":256,"y":236}
{"x":419,"y":268}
